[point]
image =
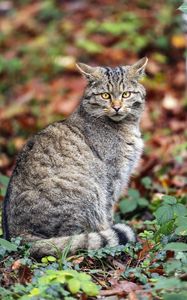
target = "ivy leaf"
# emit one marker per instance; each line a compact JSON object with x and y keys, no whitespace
{"x":176,"y":247}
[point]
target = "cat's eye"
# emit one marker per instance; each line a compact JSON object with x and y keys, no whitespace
{"x":126,"y":94}
{"x":105,"y":96}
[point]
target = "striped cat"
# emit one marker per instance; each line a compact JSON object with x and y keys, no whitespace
{"x":69,"y":176}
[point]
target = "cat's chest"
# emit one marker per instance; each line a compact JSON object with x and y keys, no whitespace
{"x":126,"y":160}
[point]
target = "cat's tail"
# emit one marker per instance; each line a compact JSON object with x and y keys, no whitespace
{"x":118,"y":234}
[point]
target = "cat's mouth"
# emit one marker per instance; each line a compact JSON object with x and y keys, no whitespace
{"x":117,"y":116}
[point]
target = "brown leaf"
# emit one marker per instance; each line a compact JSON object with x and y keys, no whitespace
{"x":76,"y":260}
{"x":158,"y":270}
{"x":24,"y":275}
{"x":120,"y":288}
{"x":145,"y":251}
{"x":16,"y":265}
{"x":132,"y":296}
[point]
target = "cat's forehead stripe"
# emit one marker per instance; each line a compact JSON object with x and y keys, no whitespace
{"x":114,"y":78}
{"x":109,"y":78}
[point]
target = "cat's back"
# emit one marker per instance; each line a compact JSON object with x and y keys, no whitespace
{"x":59,"y":145}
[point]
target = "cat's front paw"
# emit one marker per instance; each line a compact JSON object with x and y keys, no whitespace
{"x":124,"y":234}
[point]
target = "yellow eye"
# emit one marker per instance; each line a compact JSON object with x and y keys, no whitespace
{"x":105,"y":95}
{"x":126,"y":94}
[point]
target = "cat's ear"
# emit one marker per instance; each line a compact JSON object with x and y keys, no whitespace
{"x":91,"y":73}
{"x":137,"y":70}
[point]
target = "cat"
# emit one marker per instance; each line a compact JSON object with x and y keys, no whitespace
{"x":69,"y":176}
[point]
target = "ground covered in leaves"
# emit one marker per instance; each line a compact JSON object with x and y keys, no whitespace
{"x":40,"y":42}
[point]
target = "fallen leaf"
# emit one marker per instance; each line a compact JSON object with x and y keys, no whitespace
{"x":16,"y":265}
{"x":120,"y":288}
{"x":178,"y":41}
{"x":145,"y":250}
{"x":76,"y":260}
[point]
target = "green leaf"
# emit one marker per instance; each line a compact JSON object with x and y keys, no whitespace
{"x":83,"y":276}
{"x":167,"y":283}
{"x":164,"y":214}
{"x":143,"y":202}
{"x":127,"y":205}
{"x":89,"y":46}
{"x":179,"y":210}
{"x":180,"y":221}
{"x":134,"y":194}
{"x":181,"y":230}
{"x":147,"y":182}
{"x":178,"y":296}
{"x":90,"y":288}
{"x":176,"y":247}
{"x":34,"y":292}
{"x":51,"y":258}
{"x":74,"y":285}
{"x":44,"y":260}
{"x":4,"y":180}
{"x":172,"y":266}
{"x":183,"y":8}
{"x":166,"y":228}
{"x":8,"y":245}
{"x":169,"y":200}
{"x":47,"y":279}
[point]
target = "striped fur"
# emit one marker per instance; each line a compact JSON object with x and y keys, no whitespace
{"x":119,"y":234}
{"x":69,"y":176}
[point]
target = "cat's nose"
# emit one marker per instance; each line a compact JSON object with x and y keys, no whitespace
{"x":116,"y":107}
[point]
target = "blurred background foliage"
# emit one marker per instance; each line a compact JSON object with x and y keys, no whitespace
{"x":40,"y":41}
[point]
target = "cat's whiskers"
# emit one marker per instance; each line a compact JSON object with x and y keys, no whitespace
{"x":99,"y":116}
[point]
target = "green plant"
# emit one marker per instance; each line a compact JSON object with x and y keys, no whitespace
{"x":4,"y":180}
{"x":6,"y":247}
{"x":132,"y":202}
{"x":183,"y":7}
{"x":171,"y":217}
{"x":54,"y":284}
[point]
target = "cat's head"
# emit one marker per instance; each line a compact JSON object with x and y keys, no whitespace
{"x":114,"y":92}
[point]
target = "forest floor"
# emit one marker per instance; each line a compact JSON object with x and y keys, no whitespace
{"x":40,"y":41}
